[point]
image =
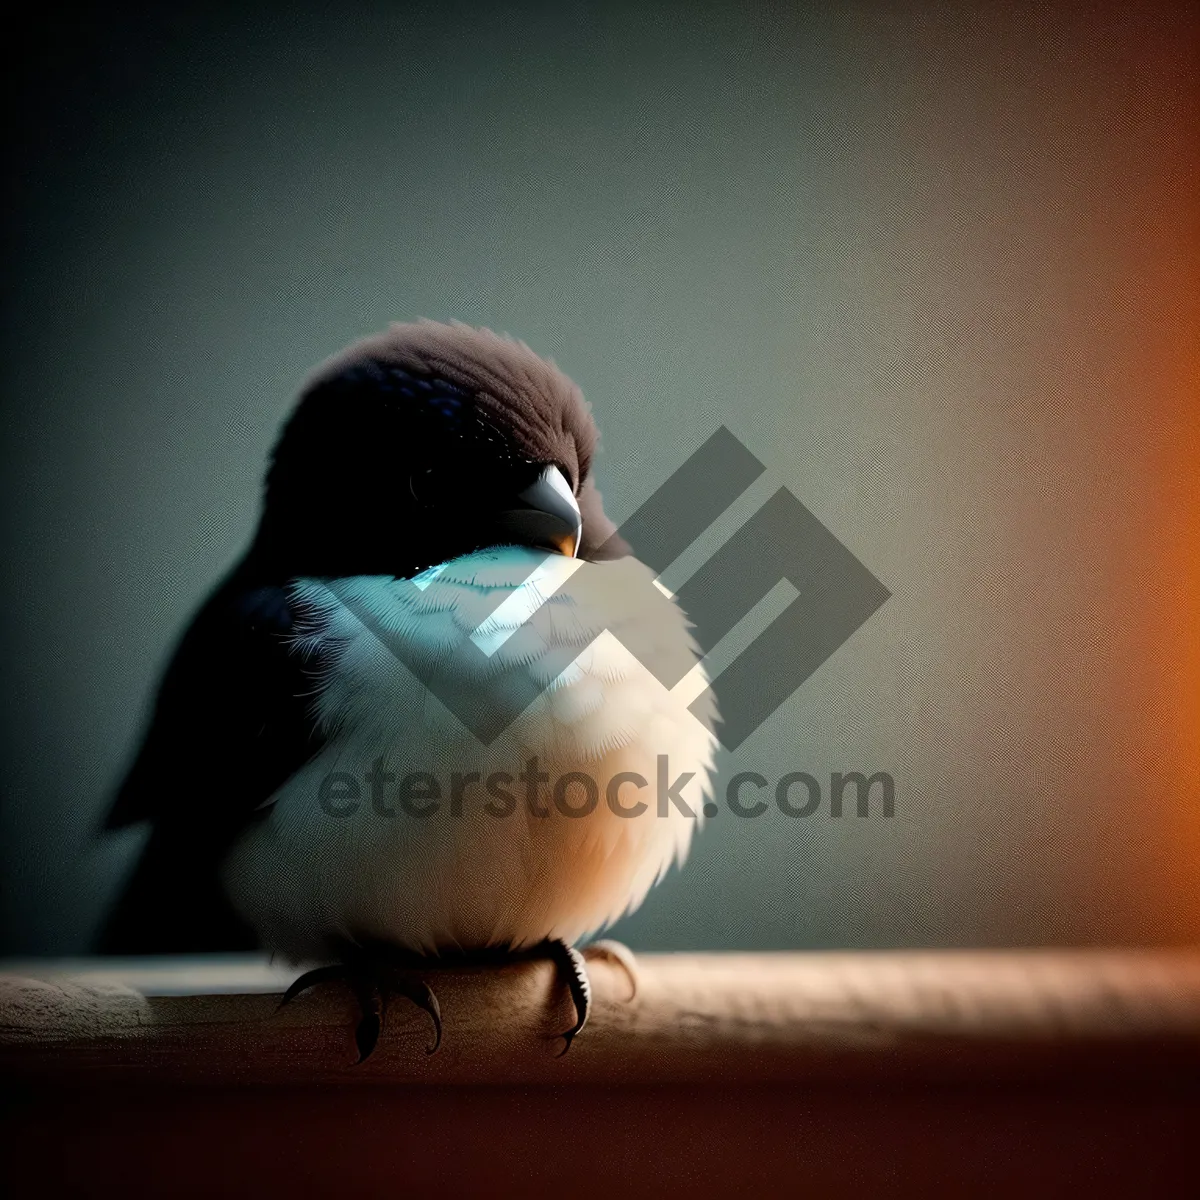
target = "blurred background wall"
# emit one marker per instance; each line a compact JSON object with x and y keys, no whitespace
{"x":936,"y":265}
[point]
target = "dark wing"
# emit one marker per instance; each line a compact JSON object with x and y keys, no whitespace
{"x":231,"y":724}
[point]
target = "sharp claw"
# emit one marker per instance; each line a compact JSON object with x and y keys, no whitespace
{"x":619,"y":954}
{"x":421,"y":994}
{"x":570,"y":962}
{"x":311,"y":979}
{"x":370,"y":1004}
{"x":366,"y":1036}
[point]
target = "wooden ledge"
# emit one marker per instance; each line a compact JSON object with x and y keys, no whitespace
{"x":847,"y":1019}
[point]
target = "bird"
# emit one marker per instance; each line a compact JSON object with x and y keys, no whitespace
{"x":418,"y":721}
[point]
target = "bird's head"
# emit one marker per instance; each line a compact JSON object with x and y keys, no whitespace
{"x":427,"y":442}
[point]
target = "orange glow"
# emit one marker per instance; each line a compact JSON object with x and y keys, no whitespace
{"x":1180,"y":644}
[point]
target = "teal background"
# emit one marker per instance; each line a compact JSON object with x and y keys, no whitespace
{"x":935,"y":266}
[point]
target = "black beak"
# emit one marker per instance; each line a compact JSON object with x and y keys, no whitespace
{"x":545,"y":515}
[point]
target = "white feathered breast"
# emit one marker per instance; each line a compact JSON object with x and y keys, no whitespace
{"x":552,"y":628}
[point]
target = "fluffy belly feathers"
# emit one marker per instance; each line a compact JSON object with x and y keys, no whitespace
{"x":409,"y":830}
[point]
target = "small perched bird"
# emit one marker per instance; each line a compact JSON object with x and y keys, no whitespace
{"x":432,"y":544}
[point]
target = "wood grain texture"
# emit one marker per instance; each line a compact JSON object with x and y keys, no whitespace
{"x":1038,"y":1074}
{"x":849,"y":1019}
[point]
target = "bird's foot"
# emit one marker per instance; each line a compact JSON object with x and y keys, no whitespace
{"x":372,"y":981}
{"x":572,"y":967}
{"x":376,"y":974}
